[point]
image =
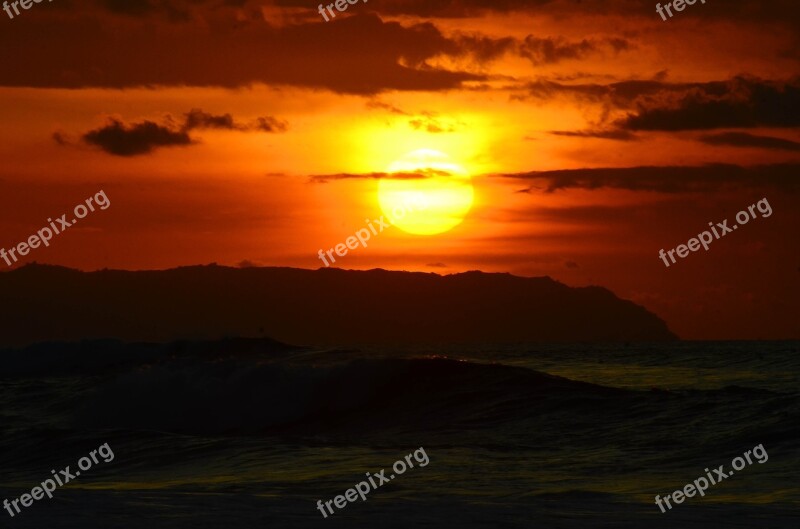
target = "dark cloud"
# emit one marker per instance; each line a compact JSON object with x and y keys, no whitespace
{"x":436,"y":265}
{"x":617,"y":95}
{"x":670,"y":179}
{"x":484,"y":49}
{"x":234,"y":43}
{"x":745,"y":102}
{"x":750,"y":10}
{"x":553,"y":50}
{"x":269,"y":124}
{"x":743,"y":139}
{"x":784,"y":12}
{"x":142,"y":138}
{"x":139,"y":138}
{"x":438,"y":8}
{"x":550,"y":51}
{"x":741,"y":102}
{"x":359,"y":54}
{"x":618,"y":45}
{"x":197,"y":119}
{"x":611,"y":134}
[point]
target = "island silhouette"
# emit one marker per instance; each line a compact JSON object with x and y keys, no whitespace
{"x":312,"y":307}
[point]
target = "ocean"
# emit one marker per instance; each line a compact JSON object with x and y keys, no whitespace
{"x":244,"y":433}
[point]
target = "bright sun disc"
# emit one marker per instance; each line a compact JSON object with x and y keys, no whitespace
{"x":429,"y":194}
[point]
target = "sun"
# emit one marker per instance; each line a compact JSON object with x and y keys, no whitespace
{"x":427,"y":195}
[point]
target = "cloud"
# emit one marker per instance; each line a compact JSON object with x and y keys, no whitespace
{"x":426,"y":120}
{"x":420,"y":174}
{"x":269,"y":124}
{"x":554,"y":50}
{"x":743,"y":139}
{"x":783,"y":11}
{"x":743,"y":102}
{"x":442,"y":8}
{"x":140,"y":138}
{"x":667,"y":179}
{"x":385,"y":106}
{"x":484,"y":49}
{"x":618,"y":95}
{"x":230,"y":48}
{"x":197,"y":119}
{"x":655,"y":105}
{"x":551,"y":51}
{"x":60,"y":138}
{"x":612,"y":134}
{"x":430,"y":123}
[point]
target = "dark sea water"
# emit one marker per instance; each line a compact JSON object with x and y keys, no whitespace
{"x":249,"y":433}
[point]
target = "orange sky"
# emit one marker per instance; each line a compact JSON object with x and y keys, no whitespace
{"x":253,"y":132}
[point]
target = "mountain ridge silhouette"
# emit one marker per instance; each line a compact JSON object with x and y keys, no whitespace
{"x":312,"y":307}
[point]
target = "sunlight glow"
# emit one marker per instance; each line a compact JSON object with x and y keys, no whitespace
{"x":429,"y":194}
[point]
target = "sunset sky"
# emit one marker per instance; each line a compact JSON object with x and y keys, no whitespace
{"x":253,"y":132}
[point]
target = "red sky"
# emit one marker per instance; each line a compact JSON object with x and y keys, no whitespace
{"x":595,"y":134}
